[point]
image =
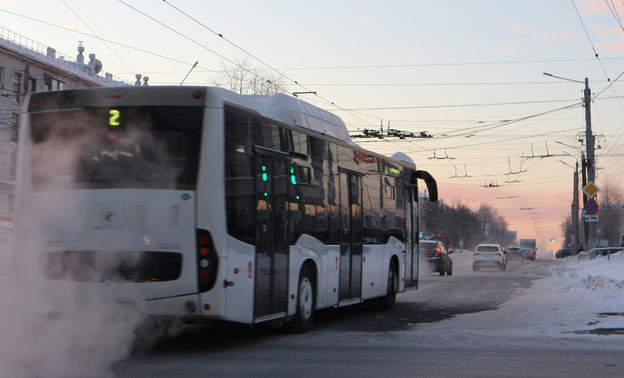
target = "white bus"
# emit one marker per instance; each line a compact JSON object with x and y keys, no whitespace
{"x":199,"y":203}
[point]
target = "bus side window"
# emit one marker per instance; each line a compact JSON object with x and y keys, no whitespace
{"x":266,"y":135}
{"x":300,"y":143}
{"x":372,"y":209}
{"x":318,"y":148}
{"x":239,"y":179}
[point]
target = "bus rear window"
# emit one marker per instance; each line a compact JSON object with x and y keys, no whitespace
{"x":123,"y":147}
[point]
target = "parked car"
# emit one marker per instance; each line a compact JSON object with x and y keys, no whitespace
{"x":564,"y":252}
{"x":528,"y":254}
{"x":436,"y":254}
{"x":513,"y":252}
{"x":489,"y":256}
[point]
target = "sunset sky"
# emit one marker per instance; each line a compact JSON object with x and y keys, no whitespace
{"x":469,"y":73}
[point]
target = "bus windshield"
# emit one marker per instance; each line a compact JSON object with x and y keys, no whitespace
{"x":122,"y":147}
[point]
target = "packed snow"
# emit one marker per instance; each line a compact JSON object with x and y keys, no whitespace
{"x":576,"y":298}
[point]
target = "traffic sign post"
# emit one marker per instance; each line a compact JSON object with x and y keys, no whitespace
{"x":590,"y":190}
{"x":591,"y":207}
{"x":587,"y":218}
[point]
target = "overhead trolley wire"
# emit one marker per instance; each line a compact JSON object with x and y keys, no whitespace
{"x":98,"y":37}
{"x":327,"y":102}
{"x":613,"y":10}
{"x":230,"y":42}
{"x":590,"y":40}
{"x":104,"y":39}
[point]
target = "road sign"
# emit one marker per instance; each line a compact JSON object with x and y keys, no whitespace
{"x":591,"y":207}
{"x":590,"y":218}
{"x":590,"y":189}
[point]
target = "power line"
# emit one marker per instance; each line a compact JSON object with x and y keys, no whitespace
{"x":103,"y":39}
{"x":230,"y":42}
{"x":177,"y":32}
{"x":455,"y":105}
{"x":440,"y":64}
{"x":590,"y":40}
{"x":98,"y":37}
{"x":614,"y":13}
{"x":327,"y":102}
{"x":427,"y":84}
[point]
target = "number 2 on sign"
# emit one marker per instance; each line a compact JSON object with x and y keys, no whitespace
{"x":114,"y":117}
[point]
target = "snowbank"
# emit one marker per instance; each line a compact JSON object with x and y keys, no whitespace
{"x":577,"y":297}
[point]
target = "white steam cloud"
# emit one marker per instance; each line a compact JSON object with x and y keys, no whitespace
{"x":73,"y":332}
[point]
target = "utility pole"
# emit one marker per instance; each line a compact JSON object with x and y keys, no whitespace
{"x":575,"y":212}
{"x":583,"y":183}
{"x":589,"y":142}
{"x":589,"y":163}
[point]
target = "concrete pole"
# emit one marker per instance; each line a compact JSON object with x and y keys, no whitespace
{"x":591,"y":170}
{"x":575,"y":211}
{"x":583,"y":183}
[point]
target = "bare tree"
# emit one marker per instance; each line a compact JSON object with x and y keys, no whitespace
{"x":460,"y":223}
{"x":244,"y":79}
{"x":610,"y":199}
{"x":566,"y":227}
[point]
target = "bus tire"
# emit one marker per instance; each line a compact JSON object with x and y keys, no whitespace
{"x":387,"y":301}
{"x":305,"y":301}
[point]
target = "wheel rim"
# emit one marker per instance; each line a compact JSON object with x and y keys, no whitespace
{"x":306,"y":298}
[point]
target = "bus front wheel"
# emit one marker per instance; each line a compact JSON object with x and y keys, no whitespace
{"x":305,"y":301}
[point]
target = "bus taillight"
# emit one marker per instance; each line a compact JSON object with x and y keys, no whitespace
{"x":206,"y":261}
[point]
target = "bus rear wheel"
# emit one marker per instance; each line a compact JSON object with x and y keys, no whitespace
{"x":305,"y":302}
{"x":387,"y":302}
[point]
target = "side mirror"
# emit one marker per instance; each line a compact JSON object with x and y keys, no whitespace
{"x":430,"y":182}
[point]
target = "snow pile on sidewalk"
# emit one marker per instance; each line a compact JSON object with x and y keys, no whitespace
{"x":577,"y":297}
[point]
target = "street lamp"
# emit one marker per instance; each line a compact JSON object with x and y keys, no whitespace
{"x":568,"y":145}
{"x":562,"y":78}
{"x":590,"y":231}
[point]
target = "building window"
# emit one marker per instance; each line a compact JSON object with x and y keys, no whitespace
{"x":52,"y":84}
{"x":1,"y":77}
{"x":17,"y":88}
{"x":33,"y":85}
{"x":15,"y":126}
{"x":13,"y":166}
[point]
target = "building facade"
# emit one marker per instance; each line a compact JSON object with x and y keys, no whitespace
{"x":27,"y":66}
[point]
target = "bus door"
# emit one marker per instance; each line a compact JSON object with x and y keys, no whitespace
{"x":350,"y":235}
{"x":411,"y":243}
{"x":271,"y":279}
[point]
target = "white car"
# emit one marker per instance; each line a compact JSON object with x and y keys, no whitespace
{"x":489,"y":256}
